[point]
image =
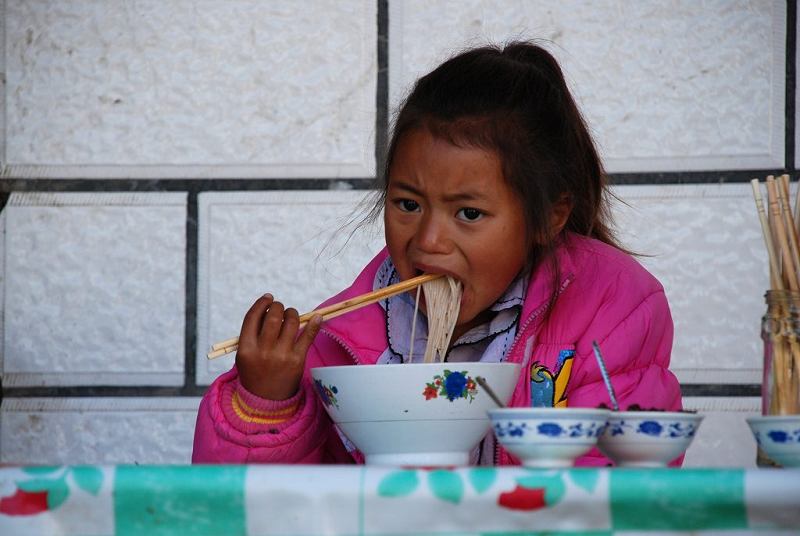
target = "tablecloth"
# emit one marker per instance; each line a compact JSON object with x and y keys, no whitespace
{"x":310,"y":500}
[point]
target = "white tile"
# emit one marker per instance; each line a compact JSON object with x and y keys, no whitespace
{"x":97,"y":430}
{"x":293,"y":244}
{"x":665,"y":86}
{"x":94,"y":289}
{"x":704,"y":244}
{"x":188,"y":88}
{"x":723,"y":439}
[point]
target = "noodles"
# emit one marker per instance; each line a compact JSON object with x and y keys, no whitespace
{"x":443,"y":301}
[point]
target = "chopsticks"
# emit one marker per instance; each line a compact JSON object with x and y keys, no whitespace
{"x":336,"y":309}
{"x":780,"y":229}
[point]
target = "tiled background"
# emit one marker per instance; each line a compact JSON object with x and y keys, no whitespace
{"x":166,"y":161}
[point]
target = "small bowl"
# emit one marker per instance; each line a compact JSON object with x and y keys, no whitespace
{"x":778,"y":436}
{"x":416,"y":414}
{"x":647,"y":438}
{"x":548,"y":437}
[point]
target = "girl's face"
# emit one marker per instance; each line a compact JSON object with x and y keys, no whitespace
{"x":449,"y":210}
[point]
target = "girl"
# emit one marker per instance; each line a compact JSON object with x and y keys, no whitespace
{"x":492,"y":178}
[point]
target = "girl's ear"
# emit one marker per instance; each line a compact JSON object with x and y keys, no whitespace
{"x":561,"y":211}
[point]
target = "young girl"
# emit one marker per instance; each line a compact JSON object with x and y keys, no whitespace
{"x":491,"y":178}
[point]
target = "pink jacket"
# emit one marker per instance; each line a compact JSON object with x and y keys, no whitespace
{"x":605,"y":295}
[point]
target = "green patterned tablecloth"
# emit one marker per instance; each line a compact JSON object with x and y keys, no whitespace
{"x":311,"y":500}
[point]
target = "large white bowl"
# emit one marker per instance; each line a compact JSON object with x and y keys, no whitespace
{"x":548,"y":437}
{"x":413,"y":414}
{"x":778,"y":436}
{"x":647,"y":438}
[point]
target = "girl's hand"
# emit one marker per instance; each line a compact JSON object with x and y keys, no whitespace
{"x":271,"y":357}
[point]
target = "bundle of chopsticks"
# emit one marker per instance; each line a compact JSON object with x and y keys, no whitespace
{"x":779,"y":224}
{"x":331,"y":311}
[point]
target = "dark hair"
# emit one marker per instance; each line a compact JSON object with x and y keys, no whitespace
{"x":513,"y":100}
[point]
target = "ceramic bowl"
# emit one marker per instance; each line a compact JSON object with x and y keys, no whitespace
{"x":548,"y":437}
{"x":413,"y":414}
{"x":778,"y":436}
{"x":647,"y":438}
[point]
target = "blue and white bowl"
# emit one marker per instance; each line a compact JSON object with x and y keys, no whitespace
{"x":778,"y":436}
{"x":548,"y":437}
{"x":647,"y":438}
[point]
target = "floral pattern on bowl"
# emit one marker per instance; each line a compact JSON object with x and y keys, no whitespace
{"x":653,"y":428}
{"x":549,"y":429}
{"x":327,"y":394}
{"x":451,"y":385}
{"x":779,"y":436}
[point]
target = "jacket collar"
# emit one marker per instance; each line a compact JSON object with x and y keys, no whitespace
{"x":540,"y":286}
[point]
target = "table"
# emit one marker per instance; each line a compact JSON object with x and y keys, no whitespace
{"x":309,"y":500}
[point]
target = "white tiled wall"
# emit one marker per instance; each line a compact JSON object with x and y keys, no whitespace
{"x":93,"y":284}
{"x":665,"y":86}
{"x":94,"y":289}
{"x":723,"y":439}
{"x":97,"y":430}
{"x":160,"y":430}
{"x":186,"y":88}
{"x":704,"y":243}
{"x":296,"y":245}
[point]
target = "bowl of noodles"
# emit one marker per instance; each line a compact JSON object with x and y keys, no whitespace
{"x":426,"y":413}
{"x":414,"y":414}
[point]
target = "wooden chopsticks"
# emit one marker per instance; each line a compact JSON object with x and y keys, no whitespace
{"x":336,"y":309}
{"x":780,"y":230}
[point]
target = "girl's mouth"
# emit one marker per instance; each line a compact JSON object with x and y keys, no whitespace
{"x":417,"y":271}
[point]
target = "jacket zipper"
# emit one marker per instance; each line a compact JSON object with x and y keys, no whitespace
{"x":536,"y":315}
{"x":523,"y":327}
{"x":346,"y":348}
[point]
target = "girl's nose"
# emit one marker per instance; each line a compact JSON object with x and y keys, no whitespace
{"x":432,"y":236}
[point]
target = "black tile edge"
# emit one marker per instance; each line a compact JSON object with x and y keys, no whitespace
{"x":85,"y":391}
{"x":382,"y":88}
{"x":182,"y":185}
{"x":190,"y":328}
{"x":696,"y":177}
{"x":228,"y":185}
{"x":791,"y":81}
{"x":721,"y":389}
{"x":690,"y":389}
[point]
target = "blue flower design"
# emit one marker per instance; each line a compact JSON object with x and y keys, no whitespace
{"x":322,"y":392}
{"x":576,"y":430}
{"x":454,"y":384}
{"x":618,"y":428}
{"x":327,"y":394}
{"x":650,"y":428}
{"x":517,"y":431}
{"x":512,"y":429}
{"x":778,"y":436}
{"x":550,"y":429}
{"x":677,"y":429}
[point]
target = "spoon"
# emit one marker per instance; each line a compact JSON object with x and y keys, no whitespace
{"x":482,"y":382}
{"x":606,"y":377}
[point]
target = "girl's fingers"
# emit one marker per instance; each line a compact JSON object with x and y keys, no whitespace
{"x":291,"y":321}
{"x":251,"y":325}
{"x":271,"y":326}
{"x":307,"y":336}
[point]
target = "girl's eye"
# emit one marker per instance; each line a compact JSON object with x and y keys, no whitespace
{"x":408,"y":205}
{"x":469,"y":214}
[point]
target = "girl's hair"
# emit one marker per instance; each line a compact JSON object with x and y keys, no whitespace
{"x":513,"y":100}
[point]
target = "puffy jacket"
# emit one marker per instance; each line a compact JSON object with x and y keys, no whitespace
{"x":603,"y":295}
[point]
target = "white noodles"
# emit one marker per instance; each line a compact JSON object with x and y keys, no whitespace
{"x":443,"y":302}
